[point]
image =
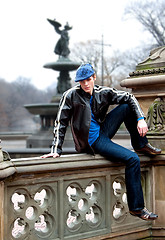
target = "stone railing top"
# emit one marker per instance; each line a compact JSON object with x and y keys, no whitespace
{"x":37,"y":164}
{"x":72,"y":162}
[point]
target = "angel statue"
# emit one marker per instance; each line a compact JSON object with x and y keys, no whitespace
{"x":61,"y":47}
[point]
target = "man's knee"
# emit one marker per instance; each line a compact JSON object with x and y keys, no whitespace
{"x":126,"y":108}
{"x":134,"y":160}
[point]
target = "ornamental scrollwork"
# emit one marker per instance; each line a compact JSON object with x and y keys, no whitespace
{"x":156,"y":116}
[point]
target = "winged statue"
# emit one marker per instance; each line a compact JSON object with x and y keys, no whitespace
{"x":62,"y":45}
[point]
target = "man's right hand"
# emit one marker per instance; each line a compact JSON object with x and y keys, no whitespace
{"x":54,"y":155}
{"x":142,"y":127}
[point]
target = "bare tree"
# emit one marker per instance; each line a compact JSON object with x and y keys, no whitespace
{"x":87,"y":52}
{"x":91,"y":52}
{"x":151,"y":15}
{"x":13,"y":97}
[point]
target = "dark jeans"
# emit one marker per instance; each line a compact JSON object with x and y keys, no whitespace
{"x":104,"y":146}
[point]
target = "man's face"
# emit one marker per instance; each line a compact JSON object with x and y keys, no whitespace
{"x":88,"y":84}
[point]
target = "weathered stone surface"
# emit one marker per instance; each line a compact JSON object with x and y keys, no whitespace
{"x":76,"y":196}
{"x":148,"y":85}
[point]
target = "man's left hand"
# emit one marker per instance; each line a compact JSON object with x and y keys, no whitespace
{"x":142,"y":127}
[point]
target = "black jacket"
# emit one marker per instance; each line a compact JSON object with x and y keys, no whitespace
{"x":74,"y":108}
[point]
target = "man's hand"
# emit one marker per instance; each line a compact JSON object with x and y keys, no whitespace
{"x":54,"y":155}
{"x":142,"y":127}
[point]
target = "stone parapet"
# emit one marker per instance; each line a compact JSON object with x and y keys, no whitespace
{"x":76,"y":196}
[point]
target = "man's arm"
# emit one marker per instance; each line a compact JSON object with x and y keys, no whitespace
{"x":120,"y":97}
{"x":61,"y":124}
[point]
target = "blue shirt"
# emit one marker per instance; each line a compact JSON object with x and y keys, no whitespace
{"x":94,"y":127}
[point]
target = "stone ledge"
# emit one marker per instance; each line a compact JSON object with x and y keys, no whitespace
{"x":71,"y":162}
{"x":143,"y":81}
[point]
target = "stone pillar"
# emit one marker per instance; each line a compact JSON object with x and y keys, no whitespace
{"x":148,"y":86}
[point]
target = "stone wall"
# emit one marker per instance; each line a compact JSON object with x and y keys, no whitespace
{"x":76,"y":196}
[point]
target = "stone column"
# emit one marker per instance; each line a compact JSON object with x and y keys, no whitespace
{"x":148,"y":85}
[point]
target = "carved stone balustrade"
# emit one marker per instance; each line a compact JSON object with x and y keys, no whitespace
{"x":76,"y":197}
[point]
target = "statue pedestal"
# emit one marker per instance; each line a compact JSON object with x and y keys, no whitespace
{"x":64,"y":66}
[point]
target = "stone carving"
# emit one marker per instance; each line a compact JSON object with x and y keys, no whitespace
{"x":46,"y":206}
{"x":156,"y":116}
{"x":4,"y":155}
{"x":1,"y":153}
{"x":84,"y":206}
{"x":153,"y":64}
{"x":156,"y":53}
{"x":62,"y":46}
{"x":155,"y":59}
{"x":120,"y":199}
{"x":32,"y":211}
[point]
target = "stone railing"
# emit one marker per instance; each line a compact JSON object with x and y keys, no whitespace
{"x":74,"y":197}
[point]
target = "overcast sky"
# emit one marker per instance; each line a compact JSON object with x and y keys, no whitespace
{"x":27,"y":39}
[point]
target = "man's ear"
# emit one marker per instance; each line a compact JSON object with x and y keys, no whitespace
{"x":94,"y":76}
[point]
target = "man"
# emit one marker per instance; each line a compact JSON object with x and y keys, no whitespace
{"x":85,"y":107}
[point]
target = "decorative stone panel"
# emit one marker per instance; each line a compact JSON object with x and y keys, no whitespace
{"x":85,"y":204}
{"x":69,"y":202}
{"x":33,"y":212}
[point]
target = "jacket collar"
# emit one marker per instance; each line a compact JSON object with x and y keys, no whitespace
{"x":84,"y":94}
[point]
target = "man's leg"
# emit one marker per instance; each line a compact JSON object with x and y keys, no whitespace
{"x":115,"y":152}
{"x":116,"y":117}
{"x":104,"y":146}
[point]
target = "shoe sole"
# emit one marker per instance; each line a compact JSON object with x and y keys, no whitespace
{"x":141,"y":217}
{"x":148,"y":153}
